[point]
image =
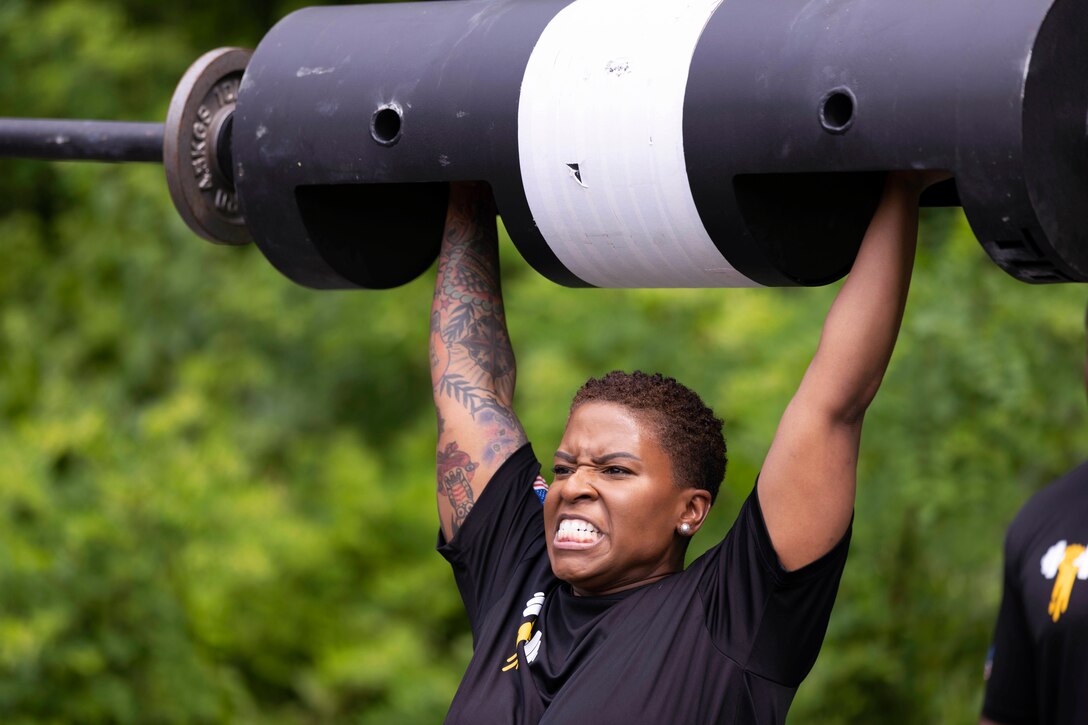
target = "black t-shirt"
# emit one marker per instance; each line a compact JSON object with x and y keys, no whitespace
{"x":1038,"y":669}
{"x":726,"y":641}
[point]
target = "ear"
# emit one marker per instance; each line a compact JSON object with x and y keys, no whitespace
{"x":696,"y":507}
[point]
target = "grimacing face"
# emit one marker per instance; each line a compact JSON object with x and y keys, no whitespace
{"x":613,"y":511}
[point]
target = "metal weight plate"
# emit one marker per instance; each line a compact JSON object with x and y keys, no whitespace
{"x":197,"y":146}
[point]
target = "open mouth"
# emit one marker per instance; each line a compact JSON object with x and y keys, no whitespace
{"x":576,"y":534}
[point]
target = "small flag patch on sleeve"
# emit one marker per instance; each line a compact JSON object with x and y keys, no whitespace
{"x":540,"y":488}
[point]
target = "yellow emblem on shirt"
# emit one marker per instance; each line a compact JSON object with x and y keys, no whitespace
{"x":1065,"y":563}
{"x":525,"y":633}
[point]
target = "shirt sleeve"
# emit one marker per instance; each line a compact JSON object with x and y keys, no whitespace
{"x":769,"y":620}
{"x":1010,"y":681}
{"x":504,"y":527}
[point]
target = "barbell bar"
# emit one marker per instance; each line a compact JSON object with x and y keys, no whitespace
{"x":53,"y":140}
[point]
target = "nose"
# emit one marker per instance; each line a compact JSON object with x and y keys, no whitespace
{"x":578,"y":485}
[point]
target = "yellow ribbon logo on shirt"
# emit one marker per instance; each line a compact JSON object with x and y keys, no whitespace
{"x":1064,"y":563}
{"x":525,"y":633}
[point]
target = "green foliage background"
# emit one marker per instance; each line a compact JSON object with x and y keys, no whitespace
{"x":216,"y":488}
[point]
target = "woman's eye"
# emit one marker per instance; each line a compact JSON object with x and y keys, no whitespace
{"x":616,"y":471}
{"x":560,"y":471}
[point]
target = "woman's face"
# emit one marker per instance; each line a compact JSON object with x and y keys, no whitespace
{"x":612,"y":512}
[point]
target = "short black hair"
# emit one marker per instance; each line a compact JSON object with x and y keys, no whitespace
{"x":687,"y":429}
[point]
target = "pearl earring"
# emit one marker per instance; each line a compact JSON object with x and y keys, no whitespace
{"x":685,"y":529}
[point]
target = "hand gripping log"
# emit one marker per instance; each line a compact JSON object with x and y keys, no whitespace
{"x":637,"y":143}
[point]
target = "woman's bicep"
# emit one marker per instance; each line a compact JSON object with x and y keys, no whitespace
{"x":471,"y":448}
{"x":807,"y":484}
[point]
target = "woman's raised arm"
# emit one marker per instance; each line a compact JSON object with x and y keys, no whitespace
{"x":472,"y":361}
{"x":807,"y":485}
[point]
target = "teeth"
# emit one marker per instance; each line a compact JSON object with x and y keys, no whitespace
{"x":577,"y":525}
{"x":577,"y":530}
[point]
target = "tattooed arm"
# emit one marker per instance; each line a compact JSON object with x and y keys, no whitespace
{"x":472,"y":361}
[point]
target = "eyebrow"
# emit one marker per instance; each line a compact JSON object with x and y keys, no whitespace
{"x":563,"y":455}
